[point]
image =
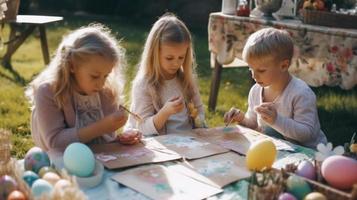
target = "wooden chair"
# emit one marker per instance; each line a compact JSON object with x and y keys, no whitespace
{"x":216,"y":78}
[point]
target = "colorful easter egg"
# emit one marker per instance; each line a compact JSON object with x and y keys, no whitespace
{"x":35,"y":159}
{"x":340,"y":171}
{"x":29,"y":177}
{"x":79,"y":160}
{"x":306,"y":169}
{"x":46,"y":169}
{"x":51,"y":177}
{"x":260,"y":155}
{"x":7,"y":185}
{"x":63,"y":183}
{"x":286,"y":196}
{"x":16,"y":195}
{"x":297,"y":187}
{"x":315,"y":196}
{"x":40,"y":187}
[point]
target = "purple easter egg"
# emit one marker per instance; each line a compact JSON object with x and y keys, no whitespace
{"x":286,"y":196}
{"x":35,"y":159}
{"x":306,"y":169}
{"x":7,"y":185}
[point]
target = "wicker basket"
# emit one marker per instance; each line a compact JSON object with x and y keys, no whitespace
{"x":330,"y":19}
{"x":322,"y":187}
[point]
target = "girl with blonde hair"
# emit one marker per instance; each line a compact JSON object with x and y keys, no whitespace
{"x":165,"y":92}
{"x":77,"y":97}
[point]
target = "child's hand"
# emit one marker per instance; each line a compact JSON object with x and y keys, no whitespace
{"x":119,"y":118}
{"x":233,"y":114}
{"x":174,"y":105}
{"x":130,"y":137}
{"x":267,"y":111}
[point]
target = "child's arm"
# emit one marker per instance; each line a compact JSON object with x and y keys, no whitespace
{"x":142,"y":104}
{"x":304,"y":124}
{"x":108,"y":124}
{"x":48,"y":122}
{"x":248,"y":119}
{"x":171,"y":107}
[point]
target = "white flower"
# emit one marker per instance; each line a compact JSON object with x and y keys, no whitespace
{"x":325,"y":151}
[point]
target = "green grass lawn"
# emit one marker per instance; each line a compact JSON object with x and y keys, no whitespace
{"x":337,"y":108}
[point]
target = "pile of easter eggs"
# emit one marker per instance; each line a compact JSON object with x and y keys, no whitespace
{"x":339,"y":171}
{"x":39,"y":176}
{"x":9,"y":189}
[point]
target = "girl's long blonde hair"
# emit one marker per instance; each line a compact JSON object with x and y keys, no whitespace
{"x":94,"y":39}
{"x":168,"y":29}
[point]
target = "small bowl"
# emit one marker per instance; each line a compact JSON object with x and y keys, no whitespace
{"x":94,"y":180}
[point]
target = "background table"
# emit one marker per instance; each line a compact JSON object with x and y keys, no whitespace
{"x":18,"y":36}
{"x":322,"y":55}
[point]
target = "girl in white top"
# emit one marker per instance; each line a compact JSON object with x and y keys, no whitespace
{"x":164,"y":91}
{"x":279,"y":104}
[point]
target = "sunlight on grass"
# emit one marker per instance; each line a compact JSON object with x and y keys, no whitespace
{"x":337,"y":108}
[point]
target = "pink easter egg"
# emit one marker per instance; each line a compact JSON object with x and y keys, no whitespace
{"x":340,"y":171}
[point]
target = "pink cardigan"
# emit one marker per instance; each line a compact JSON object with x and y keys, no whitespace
{"x":53,"y":128}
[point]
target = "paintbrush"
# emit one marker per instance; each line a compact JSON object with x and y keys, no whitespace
{"x":136,"y":116}
{"x":227,"y":124}
{"x":230,"y":121}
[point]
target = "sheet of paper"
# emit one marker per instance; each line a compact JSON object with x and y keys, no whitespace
{"x":115,"y":155}
{"x":218,"y":170}
{"x":238,"y":138}
{"x":159,"y":182}
{"x":189,"y":146}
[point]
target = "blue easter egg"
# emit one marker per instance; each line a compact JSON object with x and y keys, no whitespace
{"x":7,"y":185}
{"x":79,"y":160}
{"x":297,"y":186}
{"x":29,"y":177}
{"x":40,"y":187}
{"x":35,"y":159}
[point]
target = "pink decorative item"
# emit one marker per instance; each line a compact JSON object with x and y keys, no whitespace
{"x":340,"y":171}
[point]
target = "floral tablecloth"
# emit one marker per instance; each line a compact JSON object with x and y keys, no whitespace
{"x":322,"y":55}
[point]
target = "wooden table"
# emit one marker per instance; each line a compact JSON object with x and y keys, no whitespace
{"x":323,"y":55}
{"x":17,"y":37}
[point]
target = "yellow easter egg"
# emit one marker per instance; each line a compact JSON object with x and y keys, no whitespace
{"x":261,"y":154}
{"x":315,"y":196}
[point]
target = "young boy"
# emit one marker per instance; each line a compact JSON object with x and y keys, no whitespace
{"x":279,"y":104}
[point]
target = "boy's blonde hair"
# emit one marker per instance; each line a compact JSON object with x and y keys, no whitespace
{"x":94,"y":39}
{"x":269,"y":42}
{"x":168,"y":29}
